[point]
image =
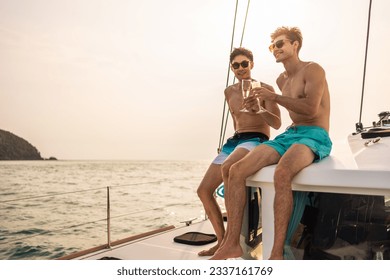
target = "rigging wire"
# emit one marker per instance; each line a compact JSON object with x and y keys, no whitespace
{"x":77,"y":191}
{"x":359,"y":125}
{"x":67,"y":227}
{"x":226,"y":112}
{"x":246,"y":16}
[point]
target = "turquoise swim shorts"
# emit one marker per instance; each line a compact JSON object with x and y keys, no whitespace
{"x":314,"y":137}
{"x":246,"y":140}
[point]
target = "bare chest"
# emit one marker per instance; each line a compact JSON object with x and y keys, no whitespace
{"x":235,"y":100}
{"x":294,"y":87}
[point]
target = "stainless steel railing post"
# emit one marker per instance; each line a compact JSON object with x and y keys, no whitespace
{"x":108,"y":219}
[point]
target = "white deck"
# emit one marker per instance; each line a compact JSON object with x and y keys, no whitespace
{"x":159,"y":247}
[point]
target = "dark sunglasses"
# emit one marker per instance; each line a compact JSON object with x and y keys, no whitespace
{"x":244,"y":64}
{"x":278,"y":44}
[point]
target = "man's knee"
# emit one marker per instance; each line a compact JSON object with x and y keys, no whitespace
{"x":200,"y":192}
{"x":225,"y":168}
{"x":204,"y":192}
{"x":282,"y":176}
{"x":235,"y":171}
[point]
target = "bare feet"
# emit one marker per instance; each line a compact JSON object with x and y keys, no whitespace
{"x":226,"y":252}
{"x":208,"y":252}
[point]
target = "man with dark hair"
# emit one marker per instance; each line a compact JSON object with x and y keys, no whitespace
{"x":250,"y":130}
{"x":305,"y":95}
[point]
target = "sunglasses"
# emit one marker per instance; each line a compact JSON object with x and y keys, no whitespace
{"x":278,"y":44}
{"x":244,"y":64}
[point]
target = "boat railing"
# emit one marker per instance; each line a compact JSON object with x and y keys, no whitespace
{"x":108,"y":219}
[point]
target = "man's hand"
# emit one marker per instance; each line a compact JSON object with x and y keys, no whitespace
{"x":265,"y":94}
{"x":251,"y":104}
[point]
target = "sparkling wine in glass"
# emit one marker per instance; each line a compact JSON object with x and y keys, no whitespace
{"x":246,"y":86}
{"x":256,"y":84}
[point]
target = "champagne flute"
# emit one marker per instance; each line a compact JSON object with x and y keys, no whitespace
{"x":246,"y":86}
{"x":256,"y":84}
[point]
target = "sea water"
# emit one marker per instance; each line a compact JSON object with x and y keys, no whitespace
{"x":49,"y":209}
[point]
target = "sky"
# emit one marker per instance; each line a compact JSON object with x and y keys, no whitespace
{"x":144,"y":80}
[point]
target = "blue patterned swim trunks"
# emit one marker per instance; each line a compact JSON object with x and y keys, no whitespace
{"x":246,"y":140}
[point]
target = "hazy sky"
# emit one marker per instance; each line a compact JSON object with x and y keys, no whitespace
{"x":126,"y":79}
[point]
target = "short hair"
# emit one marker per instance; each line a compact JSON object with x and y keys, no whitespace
{"x":292,"y":33}
{"x":241,"y":51}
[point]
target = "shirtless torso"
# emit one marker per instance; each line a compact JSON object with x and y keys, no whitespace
{"x":305,"y":95}
{"x":251,"y":122}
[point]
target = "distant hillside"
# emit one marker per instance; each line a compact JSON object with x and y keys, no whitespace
{"x":13,"y":147}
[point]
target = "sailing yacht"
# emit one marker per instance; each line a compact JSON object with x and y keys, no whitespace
{"x":341,"y":207}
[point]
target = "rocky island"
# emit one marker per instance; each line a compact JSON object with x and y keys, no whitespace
{"x":13,"y":147}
